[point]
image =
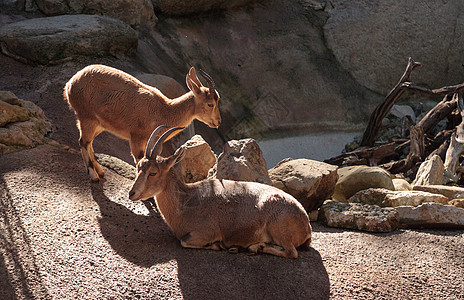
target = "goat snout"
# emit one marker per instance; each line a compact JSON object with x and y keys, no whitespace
{"x":131,"y":195}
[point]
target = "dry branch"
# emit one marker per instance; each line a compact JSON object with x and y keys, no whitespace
{"x":375,"y":121}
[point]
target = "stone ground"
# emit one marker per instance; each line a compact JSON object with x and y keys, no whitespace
{"x":63,"y":237}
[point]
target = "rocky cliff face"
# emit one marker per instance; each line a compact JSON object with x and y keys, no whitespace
{"x":280,"y":66}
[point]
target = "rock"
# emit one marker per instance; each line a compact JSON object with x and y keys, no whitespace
{"x":119,"y":166}
{"x":310,"y":182}
{"x":358,"y":216}
{"x":53,"y":40}
{"x":167,"y":85}
{"x":430,"y":172}
{"x":12,"y":113}
{"x":132,"y":12}
{"x":21,"y":126}
{"x":387,"y":198}
{"x":396,"y":35}
{"x":401,"y":185}
{"x":401,"y":111}
{"x":198,"y":159}
{"x":457,"y":202}
{"x":356,"y":178}
{"x":452,"y":192}
{"x":242,"y":160}
{"x":9,"y":98}
{"x":431,"y":215}
{"x":256,"y":100}
{"x":185,"y":7}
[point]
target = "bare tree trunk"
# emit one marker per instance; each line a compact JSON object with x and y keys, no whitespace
{"x":375,"y":121}
{"x":456,"y":146}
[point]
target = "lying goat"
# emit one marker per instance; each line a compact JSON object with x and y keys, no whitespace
{"x":220,"y":214}
{"x":106,"y":98}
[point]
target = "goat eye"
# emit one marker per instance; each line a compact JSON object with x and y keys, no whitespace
{"x":210,"y":104}
{"x":152,"y":174}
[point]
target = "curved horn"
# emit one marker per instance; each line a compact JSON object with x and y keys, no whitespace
{"x":152,"y":140}
{"x":209,"y":80}
{"x":159,"y":143}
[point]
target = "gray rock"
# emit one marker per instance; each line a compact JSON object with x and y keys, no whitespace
{"x":356,"y":178}
{"x":358,"y":216}
{"x":431,"y":215}
{"x":132,"y":12}
{"x":373,"y":39}
{"x":242,"y":160}
{"x":186,"y":7}
{"x":286,"y":80}
{"x":56,"y":39}
{"x":387,"y":198}
{"x":310,"y":182}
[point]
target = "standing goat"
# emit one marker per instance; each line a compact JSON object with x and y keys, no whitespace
{"x":220,"y":214}
{"x":106,"y":98}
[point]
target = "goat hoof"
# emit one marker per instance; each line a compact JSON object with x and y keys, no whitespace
{"x":233,"y":250}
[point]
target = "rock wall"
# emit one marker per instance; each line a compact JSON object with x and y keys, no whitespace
{"x":281,"y":67}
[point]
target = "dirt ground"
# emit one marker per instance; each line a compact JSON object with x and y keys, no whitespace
{"x":63,"y":237}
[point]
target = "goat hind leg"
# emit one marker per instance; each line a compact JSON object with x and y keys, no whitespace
{"x":88,"y":131}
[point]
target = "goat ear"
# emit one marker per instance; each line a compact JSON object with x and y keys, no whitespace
{"x":176,"y":157}
{"x":193,"y":83}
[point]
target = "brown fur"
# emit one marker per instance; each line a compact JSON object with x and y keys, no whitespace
{"x":106,"y":98}
{"x":216,"y":214}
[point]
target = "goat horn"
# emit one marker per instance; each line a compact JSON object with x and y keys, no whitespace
{"x":209,"y":80}
{"x":152,"y":140}
{"x":159,"y":143}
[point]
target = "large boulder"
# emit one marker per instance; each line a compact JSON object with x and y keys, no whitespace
{"x":310,"y":182}
{"x":430,"y":172}
{"x":242,"y":160}
{"x":431,"y":215}
{"x":286,"y":80}
{"x":186,"y":7}
{"x":55,"y":39}
{"x":451,"y":192}
{"x":387,"y":198}
{"x":198,"y":159}
{"x":358,"y":216}
{"x":132,"y":12}
{"x":356,"y":178}
{"x":22,"y":124}
{"x":373,"y":39}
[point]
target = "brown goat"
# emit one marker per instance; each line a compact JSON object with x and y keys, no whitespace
{"x":106,"y":98}
{"x":221,"y":214}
